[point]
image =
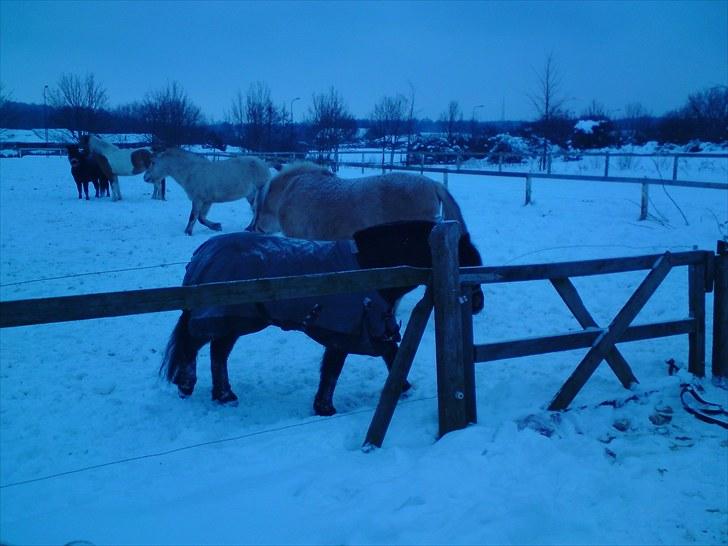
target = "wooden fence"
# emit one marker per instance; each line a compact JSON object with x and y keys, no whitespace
{"x":420,"y":166}
{"x":448,"y":294}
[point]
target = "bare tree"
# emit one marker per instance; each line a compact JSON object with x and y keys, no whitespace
{"x":549,"y":102}
{"x":263,"y":119}
{"x":450,"y":119}
{"x":637,"y":122}
{"x":237,"y":118}
{"x":708,"y":111}
{"x":390,"y":122}
{"x":5,"y":97}
{"x":78,"y":102}
{"x":330,"y":120}
{"x":170,"y":116}
{"x":595,"y":110}
{"x":411,"y":122}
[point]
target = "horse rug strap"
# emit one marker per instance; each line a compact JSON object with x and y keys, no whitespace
{"x":363,"y":317}
{"x":696,"y":405}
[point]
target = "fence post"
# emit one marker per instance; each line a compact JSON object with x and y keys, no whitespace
{"x":466,"y":306}
{"x":720,"y":312}
{"x":500,"y":162}
{"x":528,"y":191}
{"x":644,"y":205}
{"x":674,"y":168}
{"x":444,"y":178}
{"x":362,"y":163}
{"x":606,"y":164}
{"x":548,"y":163}
{"x":696,"y":305}
{"x":451,"y":391}
{"x":422,"y":163}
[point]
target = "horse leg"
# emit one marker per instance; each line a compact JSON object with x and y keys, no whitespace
{"x":85,"y":189}
{"x":115,"y":191}
{"x":179,"y":364}
{"x":331,"y":366}
{"x":193,"y":218}
{"x":390,"y":352}
{"x":95,"y":182}
{"x":215,"y":226}
{"x":80,"y":192}
{"x":220,"y":349}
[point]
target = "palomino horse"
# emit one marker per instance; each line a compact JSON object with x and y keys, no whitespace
{"x":361,"y":323}
{"x":307,"y":201}
{"x":207,"y":182}
{"x":121,"y":162}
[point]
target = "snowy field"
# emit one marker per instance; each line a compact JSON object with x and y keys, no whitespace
{"x":95,"y":448}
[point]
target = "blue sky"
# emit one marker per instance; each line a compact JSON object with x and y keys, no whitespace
{"x":478,"y":53}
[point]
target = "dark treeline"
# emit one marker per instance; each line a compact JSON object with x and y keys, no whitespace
{"x":254,"y":122}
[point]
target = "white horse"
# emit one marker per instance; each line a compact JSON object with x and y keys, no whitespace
{"x":307,"y":201}
{"x":206,"y":182}
{"x":115,"y":162}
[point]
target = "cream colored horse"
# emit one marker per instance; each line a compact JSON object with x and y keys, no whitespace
{"x":307,"y":201}
{"x":206,"y":182}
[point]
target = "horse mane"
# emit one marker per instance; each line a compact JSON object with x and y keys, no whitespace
{"x":298,"y":167}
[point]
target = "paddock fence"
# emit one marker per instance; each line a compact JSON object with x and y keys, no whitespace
{"x":447,"y":295}
{"x":422,"y":162}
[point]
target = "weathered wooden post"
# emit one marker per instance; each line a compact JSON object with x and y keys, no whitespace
{"x":528,"y":191}
{"x":719,"y":367}
{"x":606,"y":164}
{"x":696,"y":306}
{"x":674,"y":167}
{"x":466,"y":300}
{"x":422,"y":163}
{"x":452,"y":395}
{"x":362,"y":163}
{"x":644,"y":204}
{"x":444,"y":178}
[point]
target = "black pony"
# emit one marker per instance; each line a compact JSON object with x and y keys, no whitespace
{"x":361,"y":323}
{"x":85,"y":169}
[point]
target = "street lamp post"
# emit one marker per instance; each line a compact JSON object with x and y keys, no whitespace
{"x":45,"y":113}
{"x":292,"y":101}
{"x":473,"y":120}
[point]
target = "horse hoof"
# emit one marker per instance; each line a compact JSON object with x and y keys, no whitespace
{"x":324,"y":409}
{"x":406,"y":386}
{"x":216,"y":227}
{"x":226,"y":398}
{"x":185,"y":391}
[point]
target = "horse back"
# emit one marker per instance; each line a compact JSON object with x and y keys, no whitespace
{"x":321,"y":206}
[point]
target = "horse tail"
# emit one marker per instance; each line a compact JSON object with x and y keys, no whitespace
{"x":178,"y":349}
{"x":450,"y":208}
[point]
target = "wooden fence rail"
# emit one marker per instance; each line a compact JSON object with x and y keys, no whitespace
{"x":448,"y":294}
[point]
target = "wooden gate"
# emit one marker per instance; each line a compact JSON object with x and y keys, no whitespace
{"x":457,"y":353}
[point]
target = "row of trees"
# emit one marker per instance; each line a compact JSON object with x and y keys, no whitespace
{"x":255,"y":122}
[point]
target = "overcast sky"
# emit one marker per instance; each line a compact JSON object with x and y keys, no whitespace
{"x":478,"y":53}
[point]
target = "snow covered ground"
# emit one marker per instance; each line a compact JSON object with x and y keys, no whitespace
{"x":94,"y":447}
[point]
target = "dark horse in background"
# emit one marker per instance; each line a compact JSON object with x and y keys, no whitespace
{"x":84,"y":169}
{"x":361,"y":323}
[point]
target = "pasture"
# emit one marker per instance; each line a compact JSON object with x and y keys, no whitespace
{"x":98,"y":448}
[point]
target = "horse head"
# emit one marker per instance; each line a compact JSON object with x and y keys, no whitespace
{"x":155,"y":170}
{"x":407,"y":243}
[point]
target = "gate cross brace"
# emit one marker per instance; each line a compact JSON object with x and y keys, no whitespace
{"x":400,"y":369}
{"x":614,"y":358}
{"x":605,"y":343}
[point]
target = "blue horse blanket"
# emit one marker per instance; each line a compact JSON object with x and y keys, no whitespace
{"x":351,"y":322}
